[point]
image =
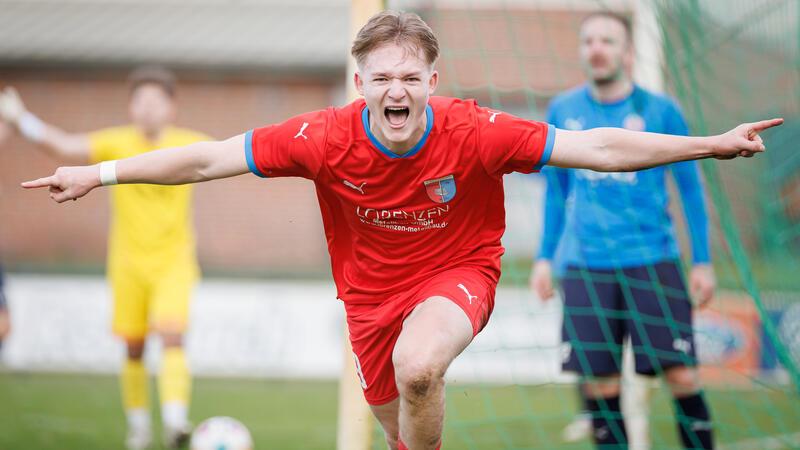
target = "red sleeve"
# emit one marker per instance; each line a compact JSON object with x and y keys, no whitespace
{"x":510,"y":144}
{"x":294,"y":148}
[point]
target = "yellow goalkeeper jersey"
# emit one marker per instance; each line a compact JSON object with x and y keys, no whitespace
{"x":151,"y":226}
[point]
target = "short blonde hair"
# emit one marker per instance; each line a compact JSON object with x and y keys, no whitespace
{"x":396,"y":27}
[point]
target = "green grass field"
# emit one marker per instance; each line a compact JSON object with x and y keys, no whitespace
{"x":65,"y":412}
{"x":39,"y":412}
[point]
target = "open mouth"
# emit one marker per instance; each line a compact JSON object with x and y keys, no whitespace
{"x":396,"y":115}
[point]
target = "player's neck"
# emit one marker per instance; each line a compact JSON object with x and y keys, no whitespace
{"x":399,"y":148}
{"x":152,"y":135}
{"x":613,"y":91}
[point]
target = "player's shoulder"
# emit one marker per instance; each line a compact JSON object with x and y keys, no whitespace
{"x":451,"y":113}
{"x":343,"y":122}
{"x":452,"y":105}
{"x":346,"y":114}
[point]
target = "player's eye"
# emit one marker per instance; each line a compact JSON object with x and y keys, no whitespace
{"x":413,"y":79}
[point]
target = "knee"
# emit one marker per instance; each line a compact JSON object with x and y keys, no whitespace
{"x":682,"y":380}
{"x":171,"y":339}
{"x":135,"y":348}
{"x":417,"y":377}
{"x":602,"y":387}
{"x":416,"y":382}
{"x":5,"y":323}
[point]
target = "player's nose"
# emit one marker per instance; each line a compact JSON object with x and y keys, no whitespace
{"x":396,"y":89}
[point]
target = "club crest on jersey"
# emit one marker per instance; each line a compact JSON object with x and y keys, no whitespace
{"x":441,"y":190}
{"x":634,"y":122}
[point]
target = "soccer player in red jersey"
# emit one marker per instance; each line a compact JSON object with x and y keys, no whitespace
{"x":411,"y":193}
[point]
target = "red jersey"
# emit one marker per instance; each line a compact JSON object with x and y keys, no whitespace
{"x":393,"y":221}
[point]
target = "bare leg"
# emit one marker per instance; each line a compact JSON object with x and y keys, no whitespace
{"x":692,"y":413}
{"x":134,"y":348}
{"x":387,"y":415}
{"x":602,"y":387}
{"x":603,"y":403}
{"x":435,"y":333}
{"x":682,"y":381}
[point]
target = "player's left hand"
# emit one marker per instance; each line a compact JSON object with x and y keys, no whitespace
{"x":743,"y":140}
{"x":702,"y":284}
{"x":68,"y":183}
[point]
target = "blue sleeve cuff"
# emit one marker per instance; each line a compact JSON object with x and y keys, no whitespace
{"x":248,"y":153}
{"x":546,"y":252}
{"x":701,"y":254}
{"x":548,"y":148}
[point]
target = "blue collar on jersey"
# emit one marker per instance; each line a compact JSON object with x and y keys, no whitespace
{"x":384,"y":149}
{"x":636,"y":97}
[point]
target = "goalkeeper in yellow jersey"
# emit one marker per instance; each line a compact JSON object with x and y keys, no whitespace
{"x":152,"y":266}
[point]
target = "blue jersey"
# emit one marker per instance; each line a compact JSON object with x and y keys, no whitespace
{"x":619,"y":219}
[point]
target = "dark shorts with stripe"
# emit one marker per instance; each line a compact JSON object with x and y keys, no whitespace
{"x":602,"y":307}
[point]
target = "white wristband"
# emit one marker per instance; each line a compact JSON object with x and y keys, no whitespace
{"x":31,"y":127}
{"x":108,"y":173}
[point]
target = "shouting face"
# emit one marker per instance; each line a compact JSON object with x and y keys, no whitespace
{"x":396,"y":82}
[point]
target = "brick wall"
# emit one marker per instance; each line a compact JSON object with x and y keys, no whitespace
{"x":244,"y":223}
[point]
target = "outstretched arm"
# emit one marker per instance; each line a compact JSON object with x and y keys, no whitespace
{"x":202,"y":161}
{"x":68,"y":147}
{"x":619,"y":150}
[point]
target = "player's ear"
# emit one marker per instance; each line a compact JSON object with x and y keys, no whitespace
{"x":433,"y":82}
{"x":359,"y":83}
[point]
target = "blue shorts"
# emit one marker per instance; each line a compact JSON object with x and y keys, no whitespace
{"x":602,"y":307}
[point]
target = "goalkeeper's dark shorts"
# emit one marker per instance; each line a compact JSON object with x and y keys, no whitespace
{"x":603,"y":307}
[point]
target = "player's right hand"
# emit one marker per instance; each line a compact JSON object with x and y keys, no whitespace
{"x":68,"y":183}
{"x":743,"y":140}
{"x":541,"y":280}
{"x":11,"y":106}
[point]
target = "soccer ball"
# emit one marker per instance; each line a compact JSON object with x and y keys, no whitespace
{"x":221,"y":433}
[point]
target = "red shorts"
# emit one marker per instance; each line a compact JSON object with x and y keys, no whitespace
{"x":374,"y":328}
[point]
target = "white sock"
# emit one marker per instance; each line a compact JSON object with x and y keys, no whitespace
{"x":174,"y":414}
{"x":138,"y":418}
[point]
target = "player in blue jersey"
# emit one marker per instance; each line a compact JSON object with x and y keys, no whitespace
{"x":619,"y":257}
